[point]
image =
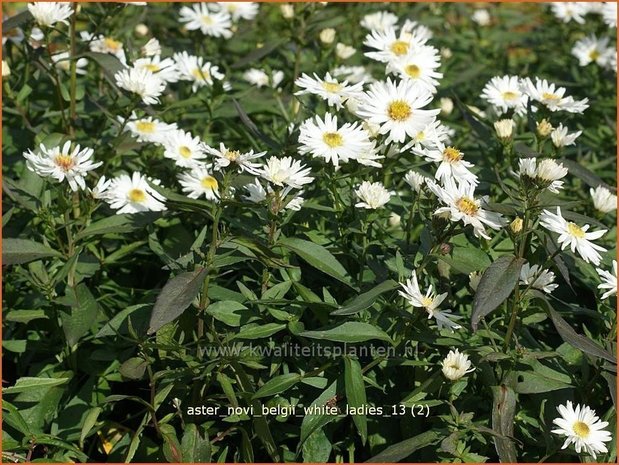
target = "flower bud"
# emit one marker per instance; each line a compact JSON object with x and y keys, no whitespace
{"x":287,"y":10}
{"x":444,"y":249}
{"x":544,"y":128}
{"x":456,"y":365}
{"x":446,"y":53}
{"x":141,"y":30}
{"x":504,"y":128}
{"x":344,"y":51}
{"x":516,"y":225}
{"x":327,"y":36}
{"x":395,"y":220}
{"x":447,"y":106}
{"x":6,"y":70}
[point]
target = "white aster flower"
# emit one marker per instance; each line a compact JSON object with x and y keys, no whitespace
{"x":429,"y":302}
{"x":49,"y":13}
{"x":224,"y":157}
{"x":240,"y":10}
{"x":397,"y":108}
{"x":390,"y":45}
{"x":352,"y":74}
{"x":593,"y":50}
{"x":62,"y":61}
{"x":141,"y":82}
{"x":419,"y":31}
{"x":583,"y":428}
{"x":456,"y":365}
{"x":574,"y":236}
{"x":603,"y":199}
{"x":451,"y":164}
{"x":324,"y":139}
{"x":433,"y":136}
{"x":151,"y":48}
{"x":102,"y":44}
{"x":504,"y":128}
{"x":545,"y":174}
{"x":210,"y":23}
{"x":419,"y":65}
{"x":199,"y":182}
{"x":504,"y":93}
{"x":568,"y":11}
{"x":287,"y":10}
{"x":560,"y":137}
{"x":537,"y":278}
{"x":61,"y":163}
{"x":329,"y":89}
{"x":186,"y":151}
{"x":195,"y":69}
{"x":552,"y":97}
{"x":372,"y":195}
{"x":257,"y":194}
{"x":260,"y":78}
{"x":133,"y":194}
{"x":609,"y":281}
{"x":165,"y":69}
{"x":415,"y":180}
{"x":609,"y":14}
{"x":148,"y":129}
{"x":99,"y":191}
{"x":379,"y":21}
{"x":481,"y":17}
{"x":461,"y":205}
{"x":285,"y":172}
{"x":344,"y":51}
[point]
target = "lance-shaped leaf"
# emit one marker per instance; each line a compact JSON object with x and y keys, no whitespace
{"x":503,"y":411}
{"x":17,"y":251}
{"x":355,"y":394}
{"x":403,"y":449}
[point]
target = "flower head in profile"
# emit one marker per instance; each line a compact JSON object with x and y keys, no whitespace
{"x":609,"y":281}
{"x":561,"y":138}
{"x":240,"y":10}
{"x":195,"y":69}
{"x":603,"y":199}
{"x":199,"y":182}
{"x":537,"y":278}
{"x":151,"y":48}
{"x":165,"y":69}
{"x":225,"y":157}
{"x":429,"y":302}
{"x":574,"y":236}
{"x":569,"y":11}
{"x":415,"y":180}
{"x":203,"y":17}
{"x":103,"y":44}
{"x":133,"y":194}
{"x":379,"y":21}
{"x":62,"y":163}
{"x":148,"y":129}
{"x":545,"y":174}
{"x":583,"y":428}
{"x":451,"y":163}
{"x":285,"y":172}
{"x":334,"y":92}
{"x":141,"y":82}
{"x":456,"y":365}
{"x":504,"y":94}
{"x":260,"y":78}
{"x":372,"y":195}
{"x":256,"y":193}
{"x":552,"y":97}
{"x":49,"y":13}
{"x":397,"y":108}
{"x":62,"y":61}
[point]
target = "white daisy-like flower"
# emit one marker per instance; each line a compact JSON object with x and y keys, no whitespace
{"x":49,"y":13}
{"x":330,"y":89}
{"x":456,"y":365}
{"x":240,"y":10}
{"x":609,"y":281}
{"x":224,"y":157}
{"x":186,"y":151}
{"x":545,"y":174}
{"x":504,"y":93}
{"x":504,"y":128}
{"x":429,"y":302}
{"x":148,"y":129}
{"x":379,"y":21}
{"x":415,"y":180}
{"x":285,"y":172}
{"x":372,"y":195}
{"x":603,"y":199}
{"x":390,"y":45}
{"x":569,"y":11}
{"x":552,"y":97}
{"x":133,"y":194}
{"x":199,"y":182}
{"x":397,"y":109}
{"x":609,"y":14}
{"x":451,"y":163}
{"x":141,"y":82}
{"x":151,"y":48}
{"x":433,"y":135}
{"x":419,"y":65}
{"x":353,"y":74}
{"x":583,"y":428}
{"x":481,"y":17}
{"x":574,"y":236}
{"x":195,"y":69}
{"x":210,"y":23}
{"x":62,"y":61}
{"x":461,"y":205}
{"x":103,"y":44}
{"x":165,"y":69}
{"x":258,"y":194}
{"x":99,"y":191}
{"x":537,"y":278}
{"x":61,"y":163}
{"x":260,"y":78}
{"x":413,"y":28}
{"x":561,"y":138}
{"x":324,"y":139}
{"x":593,"y":50}
{"x":344,"y":51}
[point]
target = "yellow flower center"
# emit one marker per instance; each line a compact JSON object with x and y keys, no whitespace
{"x":510,"y":95}
{"x":575,"y":230}
{"x":399,"y":47}
{"x":112,"y":44}
{"x":136,"y":195}
{"x":206,"y":19}
{"x":200,"y":74}
{"x":399,"y":110}
{"x":549,"y":96}
{"x":147,"y":127}
{"x":331,"y":86}
{"x":153,"y":68}
{"x":426,"y":301}
{"x":64,"y":162}
{"x":594,"y":54}
{"x":581,"y":429}
{"x":413,"y":71}
{"x":332,"y":139}
{"x":232,"y":155}
{"x":467,"y":206}
{"x":184,"y":151}
{"x":209,"y":182}
{"x":452,"y":155}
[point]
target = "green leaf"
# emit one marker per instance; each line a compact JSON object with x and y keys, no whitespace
{"x":355,"y":394}
{"x":259,"y":53}
{"x":118,"y":224}
{"x":116,"y":324}
{"x":259,"y":331}
{"x":89,"y":422}
{"x":583,"y":173}
{"x":317,"y":420}
{"x":77,"y":321}
{"x":503,"y":411}
{"x":229,"y":312}
{"x":317,"y":448}
{"x":15,"y":21}
{"x":108,"y":63}
{"x":28,"y":383}
{"x":496,"y":284}
{"x":14,"y":418}
{"x":367,"y":299}
{"x":175,"y":297}
{"x":25,"y":316}
{"x":317,"y":256}
{"x":17,"y":251}
{"x":403,"y":449}
{"x":535,"y":383}
{"x":466,"y":259}
{"x":171,"y":446}
{"x":194,"y":447}
{"x":351,"y":331}
{"x":278,"y":384}
{"x":134,"y":368}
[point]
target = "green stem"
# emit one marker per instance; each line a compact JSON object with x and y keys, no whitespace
{"x":56,"y":79}
{"x":204,"y":300}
